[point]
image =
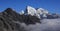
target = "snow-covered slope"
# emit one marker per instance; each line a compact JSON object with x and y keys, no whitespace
{"x":40,"y":13}
{"x":31,"y":10}
{"x":36,"y":12}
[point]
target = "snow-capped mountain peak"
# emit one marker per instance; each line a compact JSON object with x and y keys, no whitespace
{"x":40,"y":12}
{"x":31,"y":10}
{"x":35,"y":12}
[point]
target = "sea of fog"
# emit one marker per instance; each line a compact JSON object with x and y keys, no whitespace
{"x":46,"y":25}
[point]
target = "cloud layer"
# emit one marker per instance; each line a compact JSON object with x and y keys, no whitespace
{"x":46,"y":25}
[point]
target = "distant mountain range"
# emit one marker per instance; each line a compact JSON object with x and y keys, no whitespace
{"x":11,"y":20}
{"x":40,"y":13}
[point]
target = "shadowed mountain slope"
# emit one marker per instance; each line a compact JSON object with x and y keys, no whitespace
{"x":9,"y":17}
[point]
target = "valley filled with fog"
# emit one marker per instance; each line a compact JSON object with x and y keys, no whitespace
{"x":46,"y":25}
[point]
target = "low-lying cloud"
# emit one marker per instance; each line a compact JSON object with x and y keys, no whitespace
{"x":46,"y":25}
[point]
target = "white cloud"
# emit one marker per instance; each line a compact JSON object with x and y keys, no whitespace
{"x":46,"y":25}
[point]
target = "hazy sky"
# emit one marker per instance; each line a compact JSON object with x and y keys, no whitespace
{"x":51,"y":5}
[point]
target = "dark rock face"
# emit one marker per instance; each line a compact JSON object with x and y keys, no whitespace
{"x":8,"y":16}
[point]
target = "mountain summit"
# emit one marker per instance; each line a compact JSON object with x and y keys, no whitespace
{"x":39,"y":12}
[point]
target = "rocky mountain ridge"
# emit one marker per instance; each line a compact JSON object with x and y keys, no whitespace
{"x":9,"y":17}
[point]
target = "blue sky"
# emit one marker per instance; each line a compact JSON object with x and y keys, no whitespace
{"x":52,"y":6}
